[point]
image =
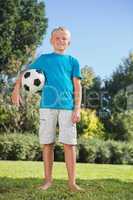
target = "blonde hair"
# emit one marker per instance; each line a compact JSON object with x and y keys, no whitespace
{"x":60,"y":28}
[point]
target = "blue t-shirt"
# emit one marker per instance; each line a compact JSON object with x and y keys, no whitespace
{"x":59,"y":70}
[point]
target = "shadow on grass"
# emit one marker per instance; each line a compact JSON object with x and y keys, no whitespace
{"x":97,"y":189}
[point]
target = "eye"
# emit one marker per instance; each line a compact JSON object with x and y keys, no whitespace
{"x":57,"y":38}
{"x":64,"y":38}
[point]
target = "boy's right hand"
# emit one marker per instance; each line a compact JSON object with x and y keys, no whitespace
{"x":16,"y":98}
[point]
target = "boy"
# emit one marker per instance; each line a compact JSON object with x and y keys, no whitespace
{"x":60,"y":100}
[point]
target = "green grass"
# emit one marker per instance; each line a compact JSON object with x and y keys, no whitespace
{"x":19,"y":179}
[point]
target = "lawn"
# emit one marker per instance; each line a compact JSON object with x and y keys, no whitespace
{"x":19,"y":179}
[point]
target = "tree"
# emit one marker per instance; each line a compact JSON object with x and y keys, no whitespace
{"x":120,"y":126}
{"x":122,"y":77}
{"x":87,"y":76}
{"x":86,"y":82}
{"x":22,"y":26}
{"x":117,"y":84}
{"x":116,"y":87}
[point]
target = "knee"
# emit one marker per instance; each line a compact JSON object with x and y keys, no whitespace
{"x":51,"y":145}
{"x":69,"y":146}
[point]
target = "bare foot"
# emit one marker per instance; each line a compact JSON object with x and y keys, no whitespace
{"x":45,"y":186}
{"x":75,"y":188}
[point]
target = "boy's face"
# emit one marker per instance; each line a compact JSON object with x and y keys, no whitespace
{"x":60,"y":40}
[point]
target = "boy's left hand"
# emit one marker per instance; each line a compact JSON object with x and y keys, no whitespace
{"x":76,"y":115}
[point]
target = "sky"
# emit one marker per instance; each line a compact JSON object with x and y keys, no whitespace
{"x":102,"y":31}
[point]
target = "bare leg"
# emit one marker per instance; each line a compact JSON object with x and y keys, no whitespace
{"x":70,"y":159}
{"x":48,"y":158}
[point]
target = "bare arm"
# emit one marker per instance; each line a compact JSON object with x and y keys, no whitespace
{"x":15,"y":97}
{"x":77,"y":100}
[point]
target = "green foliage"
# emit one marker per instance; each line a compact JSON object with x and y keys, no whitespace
{"x":19,"y":147}
{"x":122,"y":77}
{"x":119,"y":101}
{"x":103,"y":153}
{"x":91,"y":88}
{"x":89,"y":125}
{"x":87,"y":76}
{"x":121,"y":125}
{"x":22,"y":119}
{"x":86,"y":82}
{"x":26,"y":118}
{"x":27,"y":147}
{"x":98,"y":151}
{"x":59,"y":152}
{"x":121,"y":153}
{"x":97,"y":84}
{"x":87,"y":152}
{"x":93,"y":151}
{"x":22,"y":26}
{"x":117,"y":84}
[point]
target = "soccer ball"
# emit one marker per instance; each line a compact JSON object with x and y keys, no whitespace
{"x":33,"y":80}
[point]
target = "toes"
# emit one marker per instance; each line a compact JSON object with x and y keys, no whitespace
{"x":76,"y":188}
{"x":44,"y":187}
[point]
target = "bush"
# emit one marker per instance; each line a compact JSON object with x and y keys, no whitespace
{"x":121,"y":152}
{"x":102,"y":152}
{"x":89,"y":125}
{"x":19,"y":147}
{"x":93,"y":151}
{"x":121,"y":126}
{"x":116,"y":152}
{"x":129,"y":154}
{"x":59,"y":152}
{"x":27,"y":147}
{"x":22,"y":119}
{"x":99,"y":151}
{"x":86,"y":151}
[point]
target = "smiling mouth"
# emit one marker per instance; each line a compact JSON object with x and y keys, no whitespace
{"x":61,"y":45}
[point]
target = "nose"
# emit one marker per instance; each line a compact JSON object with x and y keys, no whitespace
{"x":61,"y":40}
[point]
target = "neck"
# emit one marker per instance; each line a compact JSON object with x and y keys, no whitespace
{"x":59,"y":51}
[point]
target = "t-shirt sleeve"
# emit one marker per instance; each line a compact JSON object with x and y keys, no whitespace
{"x":36,"y":64}
{"x":76,"y":72}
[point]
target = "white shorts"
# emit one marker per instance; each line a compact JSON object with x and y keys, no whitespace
{"x":48,"y":122}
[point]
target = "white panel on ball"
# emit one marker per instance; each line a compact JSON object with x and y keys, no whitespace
{"x":33,"y":80}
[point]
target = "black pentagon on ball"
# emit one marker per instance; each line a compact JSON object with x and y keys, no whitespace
{"x":26,"y":88}
{"x":39,"y":71}
{"x":27,"y":74}
{"x":37,"y":82}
